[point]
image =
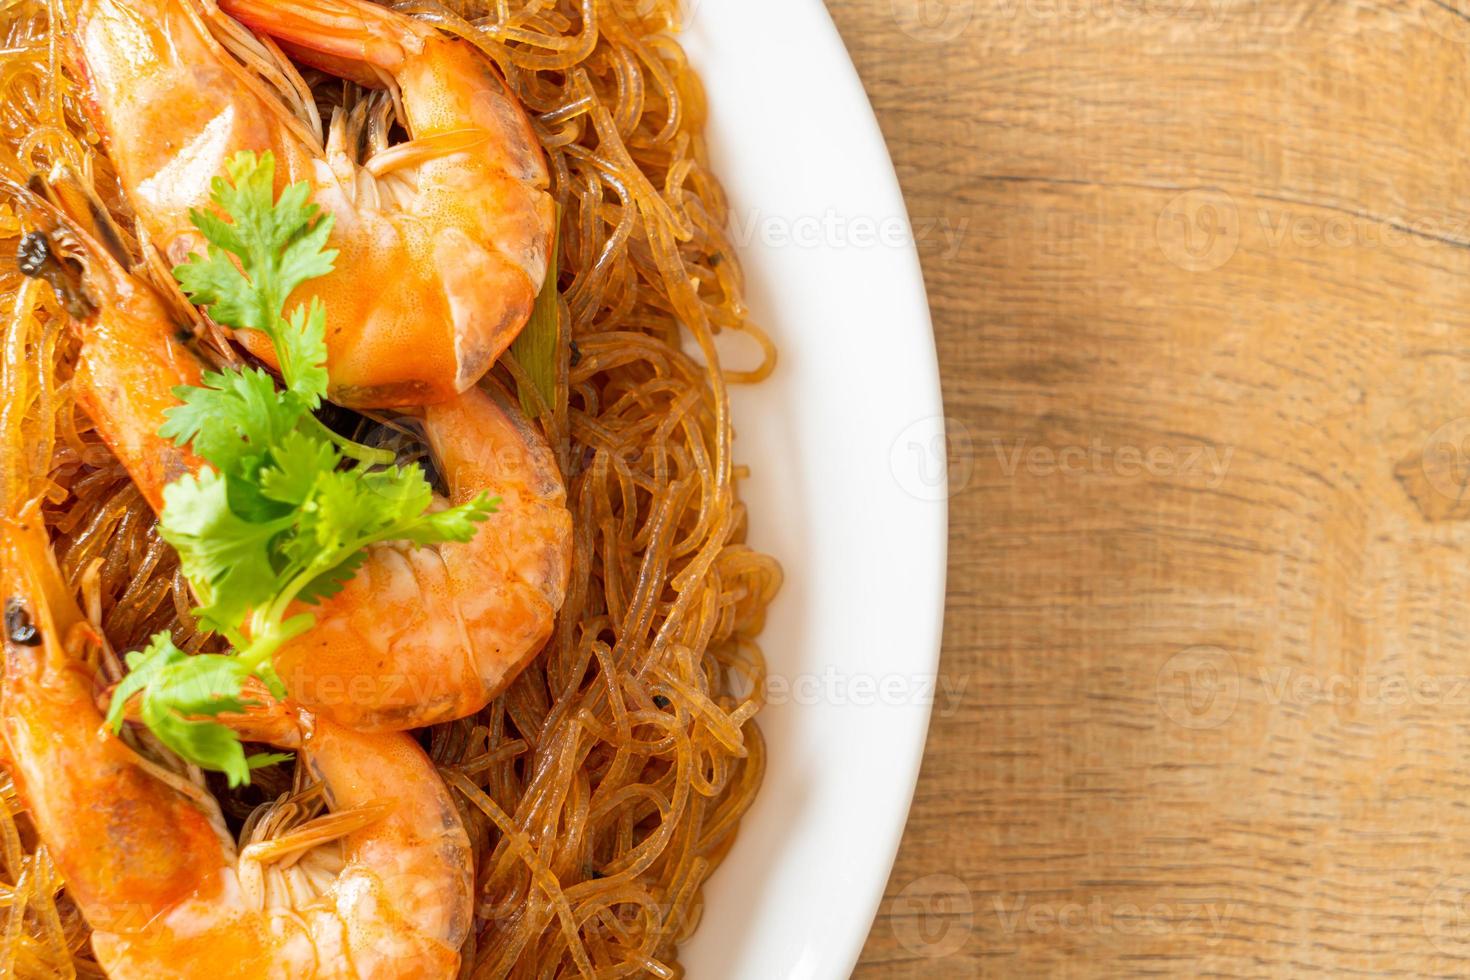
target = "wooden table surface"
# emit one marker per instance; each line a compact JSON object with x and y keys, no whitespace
{"x":1200,"y":273}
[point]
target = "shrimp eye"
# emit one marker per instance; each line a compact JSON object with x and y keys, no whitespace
{"x":18,"y":624}
{"x":37,"y":260}
{"x":33,"y":254}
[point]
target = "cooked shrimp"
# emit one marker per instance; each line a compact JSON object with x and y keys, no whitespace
{"x":417,"y":636}
{"x":443,"y":239}
{"x":148,"y":859}
{"x":425,"y":635}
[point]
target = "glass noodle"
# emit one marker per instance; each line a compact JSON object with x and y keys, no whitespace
{"x":604,"y":787}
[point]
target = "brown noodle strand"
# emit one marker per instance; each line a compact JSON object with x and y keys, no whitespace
{"x":606,"y":785}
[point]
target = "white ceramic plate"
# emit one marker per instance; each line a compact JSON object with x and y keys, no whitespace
{"x":846,"y":446}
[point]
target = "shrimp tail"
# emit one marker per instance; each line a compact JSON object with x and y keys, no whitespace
{"x":333,"y":34}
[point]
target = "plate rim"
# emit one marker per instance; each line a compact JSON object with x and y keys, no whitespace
{"x":841,"y":952}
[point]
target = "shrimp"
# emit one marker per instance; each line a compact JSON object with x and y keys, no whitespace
{"x":443,"y":240}
{"x":146,"y":854}
{"x":417,"y":636}
{"x":425,"y":635}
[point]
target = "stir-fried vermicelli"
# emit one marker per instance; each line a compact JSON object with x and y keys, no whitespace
{"x":604,"y":787}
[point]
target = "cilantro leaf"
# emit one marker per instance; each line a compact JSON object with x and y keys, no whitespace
{"x":452,"y":523}
{"x":208,"y":743}
{"x":143,"y":668}
{"x":331,"y":581}
{"x":254,"y":262}
{"x":304,"y":354}
{"x":179,"y":693}
{"x":234,"y":419}
{"x":226,"y":557}
{"x":349,"y":509}
{"x":296,"y":467}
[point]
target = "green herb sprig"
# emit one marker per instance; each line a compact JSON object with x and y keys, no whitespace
{"x":538,"y":345}
{"x":279,"y":515}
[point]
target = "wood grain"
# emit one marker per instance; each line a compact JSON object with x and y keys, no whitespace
{"x":1204,"y":327}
